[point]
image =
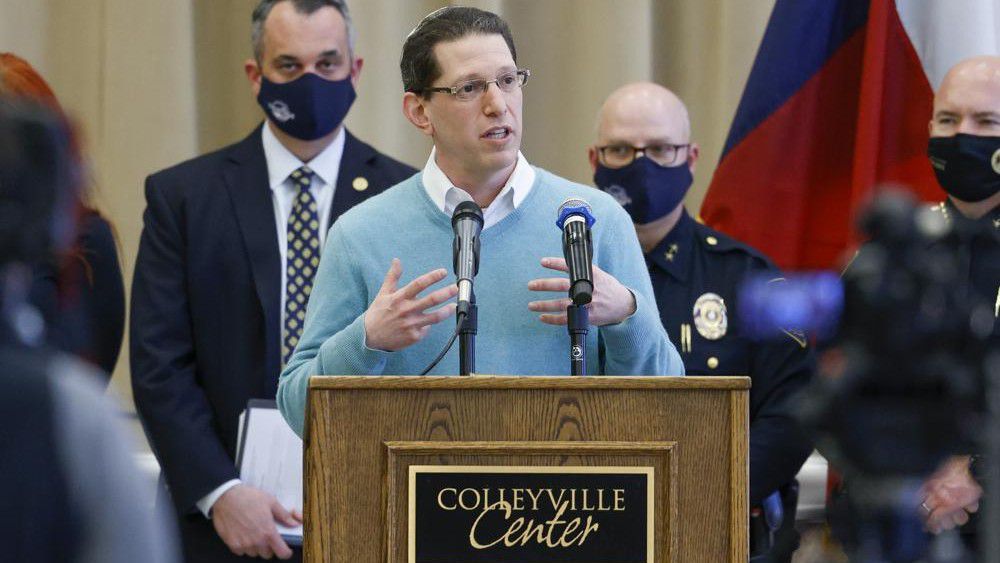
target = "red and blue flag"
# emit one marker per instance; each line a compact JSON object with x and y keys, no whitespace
{"x":837,"y":103}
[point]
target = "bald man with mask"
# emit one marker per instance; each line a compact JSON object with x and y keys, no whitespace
{"x":964,"y":149}
{"x":645,"y":159}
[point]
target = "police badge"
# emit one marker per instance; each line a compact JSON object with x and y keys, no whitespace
{"x":710,"y":316}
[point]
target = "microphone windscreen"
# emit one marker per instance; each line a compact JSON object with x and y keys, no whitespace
{"x":574,"y":202}
{"x":575,"y":206}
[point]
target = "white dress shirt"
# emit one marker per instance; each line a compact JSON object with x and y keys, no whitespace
{"x":280,"y":165}
{"x":446,"y":196}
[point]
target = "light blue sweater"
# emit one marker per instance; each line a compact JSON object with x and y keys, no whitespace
{"x":404,"y":223}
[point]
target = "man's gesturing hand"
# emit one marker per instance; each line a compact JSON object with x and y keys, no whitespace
{"x":612,"y":302}
{"x":244,"y":518}
{"x":396,"y":318}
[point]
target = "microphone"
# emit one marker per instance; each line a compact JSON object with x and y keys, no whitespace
{"x":575,"y":220}
{"x":467,"y":222}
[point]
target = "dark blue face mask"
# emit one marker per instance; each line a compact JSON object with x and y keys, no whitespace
{"x":966,"y":166}
{"x":308,"y":107}
{"x":645,"y":189}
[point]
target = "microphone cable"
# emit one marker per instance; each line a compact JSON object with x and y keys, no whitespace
{"x":458,"y":327}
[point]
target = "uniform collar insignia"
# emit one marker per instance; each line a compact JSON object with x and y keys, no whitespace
{"x":672,"y":255}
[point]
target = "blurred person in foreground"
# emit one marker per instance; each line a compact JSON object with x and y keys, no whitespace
{"x":644,"y":158}
{"x":230,"y":244}
{"x":79,"y":291}
{"x":463,"y":89}
{"x":70,"y":490}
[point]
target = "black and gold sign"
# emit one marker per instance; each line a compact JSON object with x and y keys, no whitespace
{"x":465,"y":514}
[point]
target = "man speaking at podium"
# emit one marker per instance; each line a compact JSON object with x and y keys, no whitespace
{"x":463,"y":89}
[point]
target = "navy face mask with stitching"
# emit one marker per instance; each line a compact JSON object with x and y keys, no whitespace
{"x":647,"y":190}
{"x":966,"y":166}
{"x":308,"y":107}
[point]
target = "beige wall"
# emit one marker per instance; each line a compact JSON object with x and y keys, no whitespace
{"x":154,"y":82}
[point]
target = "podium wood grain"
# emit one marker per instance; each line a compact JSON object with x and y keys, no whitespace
{"x":363,"y":432}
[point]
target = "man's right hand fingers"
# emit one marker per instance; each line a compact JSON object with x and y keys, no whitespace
{"x":237,"y":550}
{"x":275,"y":542}
{"x":434,"y":317}
{"x":416,"y":286}
{"x":554,"y":318}
{"x":392,"y":277}
{"x":283,"y":516}
{"x":278,"y":546}
{"x":435,"y":298}
{"x":253,"y":551}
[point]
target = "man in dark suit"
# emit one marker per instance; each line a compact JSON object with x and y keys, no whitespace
{"x":228,"y":250}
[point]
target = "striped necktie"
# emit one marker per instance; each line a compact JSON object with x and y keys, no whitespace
{"x":302,"y":260}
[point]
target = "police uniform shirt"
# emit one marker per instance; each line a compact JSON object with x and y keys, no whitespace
{"x":696,"y":274}
{"x":978,"y":245}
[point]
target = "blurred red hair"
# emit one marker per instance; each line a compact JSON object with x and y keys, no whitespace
{"x":20,"y":80}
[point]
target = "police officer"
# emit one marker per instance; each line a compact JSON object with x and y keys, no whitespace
{"x":964,"y":150}
{"x":644,"y":158}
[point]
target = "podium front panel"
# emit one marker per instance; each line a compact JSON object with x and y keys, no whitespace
{"x":365,"y":436}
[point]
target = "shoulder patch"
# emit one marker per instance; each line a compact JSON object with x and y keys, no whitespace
{"x":798,"y":336}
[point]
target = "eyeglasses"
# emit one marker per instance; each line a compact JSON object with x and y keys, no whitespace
{"x":617,"y":156}
{"x":472,"y":89}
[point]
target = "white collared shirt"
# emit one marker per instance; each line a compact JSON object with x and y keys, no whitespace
{"x":446,"y":196}
{"x":280,"y":165}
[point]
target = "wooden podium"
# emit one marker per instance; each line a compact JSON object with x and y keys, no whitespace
{"x":386,"y":457}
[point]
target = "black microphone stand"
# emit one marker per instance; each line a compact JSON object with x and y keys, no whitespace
{"x":577,"y":323}
{"x":468,"y":324}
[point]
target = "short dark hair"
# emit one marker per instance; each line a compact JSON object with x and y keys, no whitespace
{"x":307,"y":7}
{"x":418,"y":65}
